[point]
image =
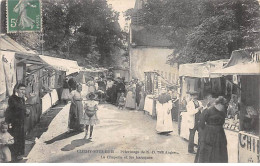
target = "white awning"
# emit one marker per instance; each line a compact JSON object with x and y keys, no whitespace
{"x":249,"y":68}
{"x":201,"y":70}
{"x":242,"y":62}
{"x":61,"y":64}
{"x":93,"y":70}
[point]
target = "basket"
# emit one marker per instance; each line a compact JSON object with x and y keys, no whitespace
{"x":90,"y":113}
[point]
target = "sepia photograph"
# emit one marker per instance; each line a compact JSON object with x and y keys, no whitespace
{"x":129,"y":81}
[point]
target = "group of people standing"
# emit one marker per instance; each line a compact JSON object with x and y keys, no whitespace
{"x":83,"y":109}
{"x":126,"y":95}
{"x":208,"y":122}
{"x":135,"y":95}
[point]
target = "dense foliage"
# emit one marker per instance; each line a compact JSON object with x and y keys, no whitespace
{"x":86,"y":30}
{"x":205,"y":29}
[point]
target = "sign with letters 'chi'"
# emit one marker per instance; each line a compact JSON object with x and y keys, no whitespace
{"x":249,"y":148}
{"x":24,"y":16}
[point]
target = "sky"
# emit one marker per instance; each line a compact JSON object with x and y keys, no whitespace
{"x":121,"y":6}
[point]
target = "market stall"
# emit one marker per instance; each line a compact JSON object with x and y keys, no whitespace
{"x":53,"y":77}
{"x":244,"y":70}
{"x":42,"y":75}
{"x":154,"y":82}
{"x":197,"y":77}
{"x":15,"y":61}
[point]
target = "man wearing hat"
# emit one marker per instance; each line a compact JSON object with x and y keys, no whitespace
{"x":194,"y":108}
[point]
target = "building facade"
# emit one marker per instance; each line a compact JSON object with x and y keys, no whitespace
{"x":149,"y":48}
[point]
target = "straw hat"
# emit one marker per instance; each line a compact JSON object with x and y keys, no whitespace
{"x":91,"y":96}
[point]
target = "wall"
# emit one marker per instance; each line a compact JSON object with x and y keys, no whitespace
{"x":144,"y":59}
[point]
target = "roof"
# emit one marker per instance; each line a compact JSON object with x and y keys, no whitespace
{"x":152,"y":36}
{"x":242,"y":62}
{"x":93,"y":70}
{"x":241,"y":69}
{"x":201,"y":70}
{"x":30,"y":57}
{"x":61,"y":64}
{"x":21,"y":53}
{"x":8,"y":44}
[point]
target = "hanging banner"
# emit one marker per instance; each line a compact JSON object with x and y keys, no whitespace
{"x":24,"y":16}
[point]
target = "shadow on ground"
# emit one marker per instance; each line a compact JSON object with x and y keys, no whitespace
{"x":40,"y":128}
{"x":75,"y":143}
{"x":62,"y":136}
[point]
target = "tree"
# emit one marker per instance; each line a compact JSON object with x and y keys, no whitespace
{"x":85,"y":29}
{"x":203,"y":30}
{"x":224,"y":27}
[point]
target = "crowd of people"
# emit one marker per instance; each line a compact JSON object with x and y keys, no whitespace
{"x":85,"y":98}
{"x":110,"y":90}
{"x":206,"y":120}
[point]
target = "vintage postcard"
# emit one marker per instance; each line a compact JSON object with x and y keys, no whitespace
{"x":129,"y":81}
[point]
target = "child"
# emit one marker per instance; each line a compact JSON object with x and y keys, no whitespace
{"x":121,"y":101}
{"x":5,"y":140}
{"x":90,"y":116}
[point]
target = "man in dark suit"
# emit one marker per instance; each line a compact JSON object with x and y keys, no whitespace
{"x":15,"y":116}
{"x":120,"y":88}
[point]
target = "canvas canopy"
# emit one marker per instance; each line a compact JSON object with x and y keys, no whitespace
{"x":201,"y":70}
{"x":8,"y":44}
{"x":242,"y":62}
{"x":22,"y":54}
{"x":93,"y":70}
{"x":61,"y":64}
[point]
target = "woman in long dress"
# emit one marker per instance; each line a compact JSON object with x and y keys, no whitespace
{"x":65,"y":95}
{"x":90,"y":115}
{"x":91,"y":85}
{"x":76,"y":109}
{"x":213,"y":142}
{"x":164,"y":117}
{"x":142,"y":100}
{"x":109,"y":86}
{"x":130,"y":97}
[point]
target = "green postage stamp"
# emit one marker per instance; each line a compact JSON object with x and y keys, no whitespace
{"x":24,"y":16}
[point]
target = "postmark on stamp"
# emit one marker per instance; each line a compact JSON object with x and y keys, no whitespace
{"x":24,"y":16}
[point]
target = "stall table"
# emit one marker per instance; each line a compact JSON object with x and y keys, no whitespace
{"x":232,"y":145}
{"x":46,"y":103}
{"x":148,"y":105}
{"x":54,"y":97}
{"x":185,"y":131}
